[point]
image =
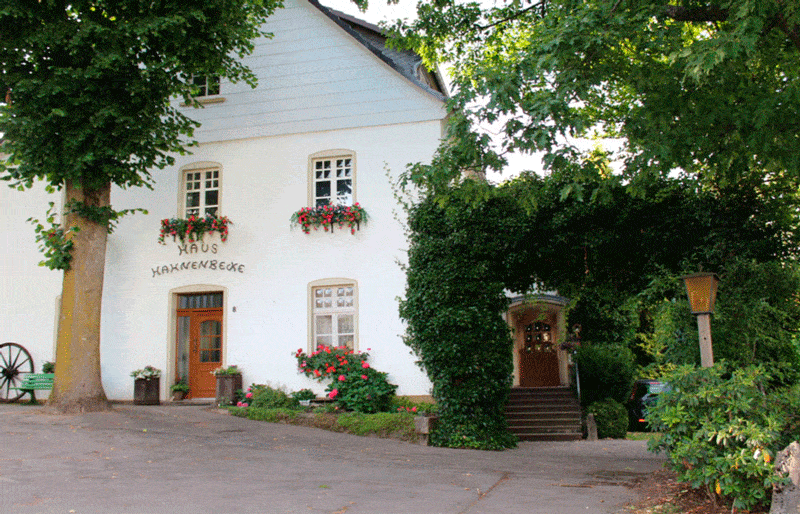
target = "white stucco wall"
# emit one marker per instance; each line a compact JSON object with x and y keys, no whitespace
{"x":264,"y":182}
{"x":28,"y":292}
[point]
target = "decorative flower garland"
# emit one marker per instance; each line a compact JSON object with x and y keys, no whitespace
{"x":327,"y":216}
{"x":193,"y":229}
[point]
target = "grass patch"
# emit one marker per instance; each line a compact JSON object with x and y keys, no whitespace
{"x":394,"y":425}
{"x":641,"y":436}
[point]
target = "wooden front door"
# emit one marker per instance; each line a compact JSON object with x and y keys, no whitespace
{"x":199,"y":343}
{"x":538,"y":353}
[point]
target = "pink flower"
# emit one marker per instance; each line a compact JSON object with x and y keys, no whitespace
{"x":342,"y":378}
{"x":333,"y":394}
{"x":248,"y":395}
{"x":365,"y":364}
{"x":245,"y":404}
{"x":364,"y":377}
{"x":413,"y":409}
{"x":238,"y":404}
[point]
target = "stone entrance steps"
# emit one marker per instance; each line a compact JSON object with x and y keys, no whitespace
{"x":544,"y":414}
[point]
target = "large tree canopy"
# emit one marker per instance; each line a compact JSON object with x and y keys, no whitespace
{"x":88,"y":87}
{"x":708,"y":87}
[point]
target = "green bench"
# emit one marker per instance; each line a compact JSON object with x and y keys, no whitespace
{"x":32,"y":382}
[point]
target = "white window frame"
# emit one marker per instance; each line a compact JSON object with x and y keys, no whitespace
{"x":334,"y":311}
{"x":331,"y":156}
{"x":203,"y":168}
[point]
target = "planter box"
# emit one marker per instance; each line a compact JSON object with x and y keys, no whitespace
{"x":147,"y":392}
{"x":226,"y":387}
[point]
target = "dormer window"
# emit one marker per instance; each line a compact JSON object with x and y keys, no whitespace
{"x":207,"y":85}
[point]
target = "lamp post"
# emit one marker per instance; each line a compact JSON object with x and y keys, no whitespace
{"x":702,"y":291}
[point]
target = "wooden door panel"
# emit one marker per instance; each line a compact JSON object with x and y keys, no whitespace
{"x":199,"y":349}
{"x":538,"y":354}
{"x":206,"y":354}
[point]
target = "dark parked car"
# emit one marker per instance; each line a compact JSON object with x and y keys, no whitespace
{"x":644,"y":394}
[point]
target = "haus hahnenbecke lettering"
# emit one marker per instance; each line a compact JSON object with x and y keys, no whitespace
{"x":209,"y":264}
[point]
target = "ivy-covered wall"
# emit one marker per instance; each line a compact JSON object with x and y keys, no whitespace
{"x":459,"y":258}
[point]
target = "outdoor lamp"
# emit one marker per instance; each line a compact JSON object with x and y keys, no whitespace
{"x":702,"y":291}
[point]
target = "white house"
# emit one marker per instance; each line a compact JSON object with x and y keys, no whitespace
{"x":335,"y":114}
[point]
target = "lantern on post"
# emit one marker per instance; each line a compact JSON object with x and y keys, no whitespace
{"x":702,"y":291}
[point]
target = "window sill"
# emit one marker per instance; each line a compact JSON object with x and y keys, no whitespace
{"x":206,"y":100}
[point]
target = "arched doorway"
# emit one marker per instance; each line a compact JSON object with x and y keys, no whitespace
{"x":537,"y":324}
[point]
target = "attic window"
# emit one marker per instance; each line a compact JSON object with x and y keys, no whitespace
{"x":207,"y":85}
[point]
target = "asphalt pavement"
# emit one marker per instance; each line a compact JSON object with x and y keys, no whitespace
{"x":198,"y":459}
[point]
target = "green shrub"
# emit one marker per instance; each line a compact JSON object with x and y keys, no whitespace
{"x":281,"y":415}
{"x":304,"y":394}
{"x":606,"y":371}
{"x":720,"y":431}
{"x":403,"y":404}
{"x":611,"y":418}
{"x":785,"y":403}
{"x":266,"y":397}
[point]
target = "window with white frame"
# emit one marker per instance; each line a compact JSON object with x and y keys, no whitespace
{"x":333,"y":180}
{"x":333,"y":309}
{"x":201,"y":192}
{"x":207,"y":85}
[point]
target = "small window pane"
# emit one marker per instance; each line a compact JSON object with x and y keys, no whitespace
{"x":346,"y":324}
{"x":211,"y":198}
{"x":324,"y":324}
{"x":323,"y":190}
{"x":192,"y":199}
{"x":344,"y":191}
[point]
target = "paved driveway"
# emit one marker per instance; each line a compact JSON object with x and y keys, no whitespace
{"x":195,"y":459}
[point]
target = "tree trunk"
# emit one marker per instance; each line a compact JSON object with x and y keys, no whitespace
{"x":77,"y":385}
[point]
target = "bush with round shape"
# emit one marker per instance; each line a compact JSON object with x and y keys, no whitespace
{"x":611,"y":418}
{"x":605,"y":371}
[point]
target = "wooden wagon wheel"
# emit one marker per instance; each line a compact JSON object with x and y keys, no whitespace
{"x":14,"y":361}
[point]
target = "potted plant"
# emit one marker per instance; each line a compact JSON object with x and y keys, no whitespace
{"x":146,"y":386}
{"x":229,"y":380}
{"x":179,"y":389}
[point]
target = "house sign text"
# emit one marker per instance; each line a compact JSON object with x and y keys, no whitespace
{"x":195,"y":248}
{"x":211,"y":264}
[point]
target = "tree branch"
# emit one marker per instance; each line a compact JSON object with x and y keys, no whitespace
{"x":519,"y":13}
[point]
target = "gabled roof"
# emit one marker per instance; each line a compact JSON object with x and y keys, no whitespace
{"x":406,"y":62}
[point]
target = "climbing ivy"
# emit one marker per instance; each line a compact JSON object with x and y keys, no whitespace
{"x":453,"y":306}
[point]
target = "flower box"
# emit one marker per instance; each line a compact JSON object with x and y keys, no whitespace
{"x":329,"y":216}
{"x":192,"y":229}
{"x":147,"y":391}
{"x":227,"y":385}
